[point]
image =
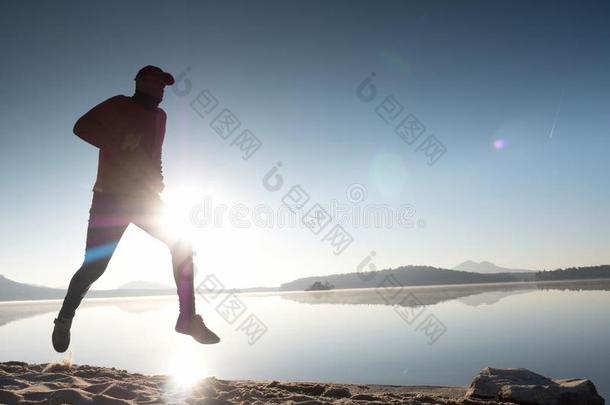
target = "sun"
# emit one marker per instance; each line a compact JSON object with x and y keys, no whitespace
{"x":178,"y":202}
{"x":183,"y":368}
{"x":218,"y":246}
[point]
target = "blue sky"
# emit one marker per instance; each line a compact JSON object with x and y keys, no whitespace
{"x":531,"y":78}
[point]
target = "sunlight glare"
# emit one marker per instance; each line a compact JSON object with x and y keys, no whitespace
{"x":178,"y":203}
{"x":184,"y":369}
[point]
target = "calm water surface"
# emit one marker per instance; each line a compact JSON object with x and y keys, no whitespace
{"x":356,"y":336}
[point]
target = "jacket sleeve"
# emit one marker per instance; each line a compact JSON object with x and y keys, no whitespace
{"x":94,"y":126}
{"x":159,"y":142}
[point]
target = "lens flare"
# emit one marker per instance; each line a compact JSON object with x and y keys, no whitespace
{"x":499,"y":144}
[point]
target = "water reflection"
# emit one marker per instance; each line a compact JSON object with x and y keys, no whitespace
{"x":556,"y":329}
{"x":14,"y":310}
{"x":472,"y":294}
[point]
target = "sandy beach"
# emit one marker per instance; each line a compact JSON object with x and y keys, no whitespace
{"x":54,"y":384}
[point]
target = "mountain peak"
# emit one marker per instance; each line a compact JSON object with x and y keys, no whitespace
{"x":485,"y":267}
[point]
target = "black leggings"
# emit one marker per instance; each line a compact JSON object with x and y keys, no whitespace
{"x":109,"y":216}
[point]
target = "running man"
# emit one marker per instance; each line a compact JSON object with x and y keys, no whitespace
{"x":129,"y":133}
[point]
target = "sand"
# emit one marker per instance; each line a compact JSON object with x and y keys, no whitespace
{"x":51,"y":384}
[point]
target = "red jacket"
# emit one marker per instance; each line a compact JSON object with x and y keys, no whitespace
{"x":130,"y":137}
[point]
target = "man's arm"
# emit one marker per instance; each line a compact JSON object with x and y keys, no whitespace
{"x":92,"y":127}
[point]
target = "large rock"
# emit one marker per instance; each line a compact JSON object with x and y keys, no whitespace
{"x":524,"y":387}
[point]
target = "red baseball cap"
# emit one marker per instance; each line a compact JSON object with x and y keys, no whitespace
{"x":168,"y":79}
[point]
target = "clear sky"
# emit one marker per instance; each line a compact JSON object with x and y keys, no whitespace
{"x":517,"y":93}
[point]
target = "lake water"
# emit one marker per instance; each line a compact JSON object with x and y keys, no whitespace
{"x":434,"y":336}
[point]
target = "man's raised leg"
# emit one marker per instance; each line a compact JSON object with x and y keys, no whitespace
{"x":188,"y":322}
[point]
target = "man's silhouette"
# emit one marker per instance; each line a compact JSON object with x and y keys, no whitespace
{"x":129,"y":133}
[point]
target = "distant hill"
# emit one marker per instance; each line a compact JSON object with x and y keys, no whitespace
{"x":403,"y":276}
{"x":12,"y":290}
{"x":486,"y":268}
{"x":407,"y":276}
{"x":575,"y":273}
{"x":426,"y":275}
{"x":144,"y":285}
